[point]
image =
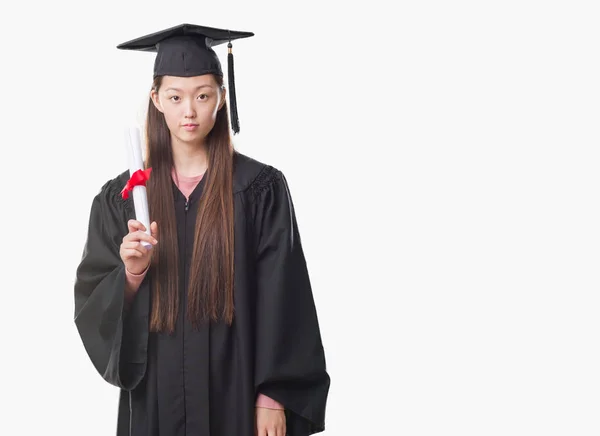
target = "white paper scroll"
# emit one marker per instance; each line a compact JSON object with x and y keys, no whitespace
{"x":140,"y":197}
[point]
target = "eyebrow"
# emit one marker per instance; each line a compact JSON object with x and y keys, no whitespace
{"x":197,"y":88}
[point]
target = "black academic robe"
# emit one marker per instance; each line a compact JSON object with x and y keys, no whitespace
{"x":205,"y":382}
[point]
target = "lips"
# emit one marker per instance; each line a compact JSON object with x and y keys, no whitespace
{"x":190,"y":126}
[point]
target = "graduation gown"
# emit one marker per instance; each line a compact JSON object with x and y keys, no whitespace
{"x":205,"y":382}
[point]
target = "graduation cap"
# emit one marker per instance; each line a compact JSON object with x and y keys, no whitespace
{"x":187,"y":50}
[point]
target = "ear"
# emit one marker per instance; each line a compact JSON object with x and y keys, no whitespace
{"x":156,"y":100}
{"x":223,"y":97}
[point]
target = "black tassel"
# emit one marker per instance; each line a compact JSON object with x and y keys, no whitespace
{"x":235,"y":122}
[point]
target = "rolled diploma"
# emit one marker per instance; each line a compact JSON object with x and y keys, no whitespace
{"x":140,"y":197}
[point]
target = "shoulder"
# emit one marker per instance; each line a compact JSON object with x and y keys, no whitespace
{"x":110,"y":192}
{"x":113,"y":186}
{"x":252,"y":176}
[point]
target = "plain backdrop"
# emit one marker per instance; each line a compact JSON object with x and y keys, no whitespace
{"x":443,"y":160}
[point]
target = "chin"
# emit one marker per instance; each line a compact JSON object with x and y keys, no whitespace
{"x":191,"y":137}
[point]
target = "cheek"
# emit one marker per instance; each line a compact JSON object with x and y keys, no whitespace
{"x":208,"y":114}
{"x":171,"y":116}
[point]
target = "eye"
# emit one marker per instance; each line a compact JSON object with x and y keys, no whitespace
{"x":174,"y":98}
{"x":203,"y":96}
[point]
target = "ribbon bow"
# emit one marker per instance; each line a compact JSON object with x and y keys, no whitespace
{"x":138,"y":178}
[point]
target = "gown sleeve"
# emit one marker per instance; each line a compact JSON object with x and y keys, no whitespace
{"x":290,"y":361}
{"x":114,"y":337}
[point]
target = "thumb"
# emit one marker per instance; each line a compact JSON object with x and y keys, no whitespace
{"x":154,"y":229}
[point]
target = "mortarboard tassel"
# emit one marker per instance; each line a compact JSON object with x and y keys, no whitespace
{"x":235,"y":122}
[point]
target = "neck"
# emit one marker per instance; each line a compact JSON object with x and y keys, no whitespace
{"x":189,"y":159}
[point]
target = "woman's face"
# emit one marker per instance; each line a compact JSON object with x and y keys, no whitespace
{"x":190,"y":105}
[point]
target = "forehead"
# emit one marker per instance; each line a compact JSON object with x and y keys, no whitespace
{"x":188,"y":83}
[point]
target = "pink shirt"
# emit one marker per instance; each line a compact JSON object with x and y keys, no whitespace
{"x":186,"y":185}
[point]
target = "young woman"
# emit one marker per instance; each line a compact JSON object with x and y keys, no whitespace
{"x":213,"y":329}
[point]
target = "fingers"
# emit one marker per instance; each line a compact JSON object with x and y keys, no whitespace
{"x":128,"y":253}
{"x":277,"y":431}
{"x":135,"y":245}
{"x":270,"y":422}
{"x":134,"y":248}
{"x":134,"y":225}
{"x":280,"y":426}
{"x":270,"y":429}
{"x":260,"y":429}
{"x":139,"y":235}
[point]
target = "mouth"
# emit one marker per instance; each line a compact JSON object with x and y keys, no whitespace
{"x":190,"y":126}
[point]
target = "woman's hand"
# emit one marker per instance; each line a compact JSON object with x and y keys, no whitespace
{"x":270,"y":422}
{"x":134,"y":255}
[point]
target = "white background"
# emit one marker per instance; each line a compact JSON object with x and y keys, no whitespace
{"x":443,"y":160}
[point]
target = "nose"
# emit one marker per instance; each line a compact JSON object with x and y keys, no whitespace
{"x":190,"y":112}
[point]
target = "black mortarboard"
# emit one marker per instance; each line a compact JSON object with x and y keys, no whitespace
{"x":186,"y":50}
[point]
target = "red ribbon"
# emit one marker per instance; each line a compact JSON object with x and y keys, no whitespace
{"x":138,"y":178}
